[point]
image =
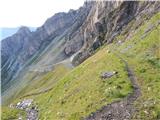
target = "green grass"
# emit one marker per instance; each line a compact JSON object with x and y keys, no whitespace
{"x":82,"y":91}
{"x":11,"y":114}
{"x":44,"y":81}
{"x":144,"y":57}
{"x":36,"y":83}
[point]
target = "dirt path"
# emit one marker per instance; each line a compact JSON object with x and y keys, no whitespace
{"x":120,"y":110}
{"x":37,"y":93}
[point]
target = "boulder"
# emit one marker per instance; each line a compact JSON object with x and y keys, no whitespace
{"x":107,"y":74}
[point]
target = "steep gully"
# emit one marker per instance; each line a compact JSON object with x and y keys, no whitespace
{"x":119,"y":110}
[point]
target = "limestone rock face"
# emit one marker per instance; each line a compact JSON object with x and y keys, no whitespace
{"x":106,"y":20}
{"x":90,"y":34}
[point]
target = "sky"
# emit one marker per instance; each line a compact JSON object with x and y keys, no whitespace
{"x":33,"y":13}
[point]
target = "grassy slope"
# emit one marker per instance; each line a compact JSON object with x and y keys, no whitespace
{"x":144,"y":57}
{"x":36,"y":84}
{"x":11,"y":114}
{"x":81,"y":91}
{"x":45,"y":81}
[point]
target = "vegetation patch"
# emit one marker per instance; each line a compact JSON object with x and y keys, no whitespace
{"x":144,"y":57}
{"x":11,"y":114}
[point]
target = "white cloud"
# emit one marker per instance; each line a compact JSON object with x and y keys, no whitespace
{"x":33,"y":13}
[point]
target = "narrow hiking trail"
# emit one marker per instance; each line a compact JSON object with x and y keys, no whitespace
{"x":37,"y":93}
{"x":120,"y":110}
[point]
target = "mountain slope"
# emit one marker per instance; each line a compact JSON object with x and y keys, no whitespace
{"x":64,"y":92}
{"x":52,"y":35}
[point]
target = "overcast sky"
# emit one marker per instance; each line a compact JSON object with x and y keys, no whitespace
{"x":32,"y":13}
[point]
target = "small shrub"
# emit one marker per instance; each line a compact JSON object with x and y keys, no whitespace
{"x":143,"y":70}
{"x":155,"y":62}
{"x":75,"y":116}
{"x":113,"y":92}
{"x":158,"y":115}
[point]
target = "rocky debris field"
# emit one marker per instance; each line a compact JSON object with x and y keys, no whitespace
{"x":29,"y":107}
{"x":24,"y":104}
{"x":32,"y":113}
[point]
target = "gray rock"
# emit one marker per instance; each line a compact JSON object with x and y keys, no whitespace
{"x":24,"y":104}
{"x":105,"y":75}
{"x":31,"y":111}
{"x":32,"y":114}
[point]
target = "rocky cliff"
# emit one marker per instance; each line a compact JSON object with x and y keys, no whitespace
{"x":18,"y":49}
{"x":107,"y":20}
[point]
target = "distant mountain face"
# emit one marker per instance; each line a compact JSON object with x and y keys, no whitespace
{"x":7,"y":32}
{"x":76,"y":34}
{"x":19,"y":49}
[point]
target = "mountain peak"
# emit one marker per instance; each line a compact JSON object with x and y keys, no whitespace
{"x":24,"y":30}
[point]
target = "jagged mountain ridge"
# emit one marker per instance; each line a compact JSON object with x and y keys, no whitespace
{"x":6,"y":32}
{"x":20,"y":47}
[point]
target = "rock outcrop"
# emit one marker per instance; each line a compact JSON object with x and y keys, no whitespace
{"x":106,"y":20}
